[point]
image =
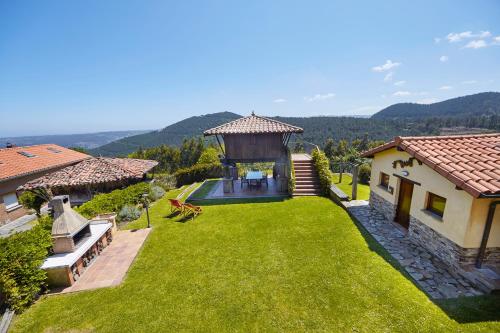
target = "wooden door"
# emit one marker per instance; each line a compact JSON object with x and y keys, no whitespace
{"x":404,"y":203}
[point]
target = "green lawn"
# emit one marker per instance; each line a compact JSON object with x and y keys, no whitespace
{"x":346,"y":187}
{"x":292,"y":265}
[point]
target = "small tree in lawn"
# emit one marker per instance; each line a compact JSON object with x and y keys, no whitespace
{"x":209,"y":156}
{"x":34,"y":199}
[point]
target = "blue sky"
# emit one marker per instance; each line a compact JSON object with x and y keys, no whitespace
{"x":84,"y":66}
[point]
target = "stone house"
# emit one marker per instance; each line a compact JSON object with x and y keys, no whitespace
{"x":444,"y":190}
{"x":18,"y":165}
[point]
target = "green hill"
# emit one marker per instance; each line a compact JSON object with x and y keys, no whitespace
{"x":483,"y":104}
{"x":171,"y":135}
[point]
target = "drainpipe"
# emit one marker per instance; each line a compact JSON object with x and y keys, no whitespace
{"x":486,"y":233}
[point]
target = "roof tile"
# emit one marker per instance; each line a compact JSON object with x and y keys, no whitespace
{"x":471,"y":162}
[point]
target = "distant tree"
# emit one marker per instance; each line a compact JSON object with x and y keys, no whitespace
{"x":80,"y":150}
{"x":209,"y":156}
{"x":298,"y":147}
{"x":330,"y":148}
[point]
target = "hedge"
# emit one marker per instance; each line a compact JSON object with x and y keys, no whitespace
{"x":322,"y":165}
{"x":198,"y":173}
{"x":21,"y":256}
{"x":114,"y":201}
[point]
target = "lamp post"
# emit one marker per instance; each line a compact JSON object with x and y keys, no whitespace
{"x":146,"y":205}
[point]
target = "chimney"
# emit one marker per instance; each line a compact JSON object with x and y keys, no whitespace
{"x":69,"y":227}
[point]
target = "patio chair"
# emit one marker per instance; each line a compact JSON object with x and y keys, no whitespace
{"x":192,"y":209}
{"x":264,"y":180}
{"x":253,"y":182}
{"x":176,"y":206}
{"x":243,"y":180}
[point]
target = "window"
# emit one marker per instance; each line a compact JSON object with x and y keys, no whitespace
{"x":384,"y":180}
{"x":25,"y":153}
{"x":436,"y":204}
{"x":10,"y":201}
{"x":54,"y":150}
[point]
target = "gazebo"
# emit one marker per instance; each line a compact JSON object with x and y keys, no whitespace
{"x":254,"y":139}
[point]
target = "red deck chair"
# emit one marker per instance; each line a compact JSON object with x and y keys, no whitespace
{"x":176,"y":206}
{"x":192,"y":209}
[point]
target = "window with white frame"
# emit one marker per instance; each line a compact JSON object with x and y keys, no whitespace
{"x":10,"y":201}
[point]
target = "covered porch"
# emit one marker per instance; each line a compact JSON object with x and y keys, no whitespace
{"x":247,"y":144}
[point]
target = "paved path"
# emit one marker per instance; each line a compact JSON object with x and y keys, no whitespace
{"x":21,"y":224}
{"x":110,"y":267}
{"x":428,"y":271}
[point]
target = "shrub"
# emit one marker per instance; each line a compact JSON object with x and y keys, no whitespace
{"x":31,"y":200}
{"x":167,"y":182}
{"x":114,"y":201}
{"x":364,"y":173}
{"x":129,"y":213}
{"x":322,"y":165}
{"x":156,"y":192}
{"x":21,"y":256}
{"x":197,"y":173}
{"x":209,"y":156}
{"x":291,"y":176}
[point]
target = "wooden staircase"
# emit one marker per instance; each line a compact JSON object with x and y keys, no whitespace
{"x":306,"y":177}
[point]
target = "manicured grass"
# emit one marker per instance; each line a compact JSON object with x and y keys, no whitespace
{"x":204,"y":189}
{"x":346,"y":187}
{"x":291,"y":265}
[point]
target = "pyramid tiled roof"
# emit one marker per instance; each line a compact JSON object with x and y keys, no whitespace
{"x":471,"y":162}
{"x":21,"y":161}
{"x":93,"y":171}
{"x":253,"y":125}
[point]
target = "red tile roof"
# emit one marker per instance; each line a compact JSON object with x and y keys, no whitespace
{"x":93,"y":171}
{"x":14,"y":164}
{"x":471,"y":162}
{"x":253,"y":125}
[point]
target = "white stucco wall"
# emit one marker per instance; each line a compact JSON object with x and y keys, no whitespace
{"x":464,"y":216}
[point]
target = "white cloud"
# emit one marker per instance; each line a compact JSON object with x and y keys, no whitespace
{"x":387,"y":66}
{"x":476,"y":44}
{"x":319,"y":97}
{"x":484,"y":34}
{"x":399,"y":83}
{"x":443,"y":58}
{"x":496,"y":40}
{"x":457,"y":37}
{"x":427,"y":101}
{"x":402,"y":93}
{"x":445,"y":88}
{"x":469,"y":82}
{"x":279,"y":100}
{"x":388,"y":77}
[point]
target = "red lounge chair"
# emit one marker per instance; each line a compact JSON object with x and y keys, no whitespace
{"x":176,"y":206}
{"x":191,"y":209}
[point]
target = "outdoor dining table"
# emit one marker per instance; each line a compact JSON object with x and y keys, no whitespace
{"x":254,"y":178}
{"x":254,"y":175}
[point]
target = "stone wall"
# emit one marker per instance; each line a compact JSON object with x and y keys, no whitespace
{"x":382,"y":206}
{"x":445,"y":249}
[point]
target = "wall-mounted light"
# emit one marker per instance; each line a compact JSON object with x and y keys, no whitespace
{"x":405,"y":173}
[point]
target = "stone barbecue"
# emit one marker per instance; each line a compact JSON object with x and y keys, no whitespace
{"x":76,"y":242}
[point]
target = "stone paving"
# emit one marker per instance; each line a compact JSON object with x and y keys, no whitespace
{"x":428,"y":271}
{"x":110,"y":267}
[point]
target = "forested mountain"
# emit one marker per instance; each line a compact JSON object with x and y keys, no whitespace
{"x":86,"y":140}
{"x":480,"y":112}
{"x":172,"y":135}
{"x":484,"y":104}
